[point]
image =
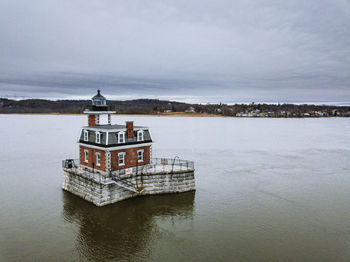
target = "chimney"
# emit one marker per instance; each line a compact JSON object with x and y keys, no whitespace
{"x":92,"y":120}
{"x":130,"y":128}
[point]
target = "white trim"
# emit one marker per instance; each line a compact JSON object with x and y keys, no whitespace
{"x":121,"y":154}
{"x":116,"y":147}
{"x":98,"y":159}
{"x":98,"y":112}
{"x":107,"y":138}
{"x":150,"y":135}
{"x":121,"y":135}
{"x":86,"y":156}
{"x":98,"y":128}
{"x":142,"y":151}
{"x":98,"y":134}
{"x":86,"y":135}
{"x":142,"y":135}
{"x":109,"y":119}
{"x":108,"y":160}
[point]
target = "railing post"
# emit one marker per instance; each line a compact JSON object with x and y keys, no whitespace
{"x":172,"y":168}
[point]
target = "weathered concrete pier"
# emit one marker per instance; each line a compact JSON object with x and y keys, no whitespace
{"x":161,"y":176}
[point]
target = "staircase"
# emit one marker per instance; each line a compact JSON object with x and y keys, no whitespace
{"x":127,"y":185}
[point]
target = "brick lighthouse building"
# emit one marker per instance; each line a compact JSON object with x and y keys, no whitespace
{"x":115,"y":162}
{"x":106,"y":147}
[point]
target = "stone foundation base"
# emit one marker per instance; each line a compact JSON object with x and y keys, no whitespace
{"x":104,"y":193}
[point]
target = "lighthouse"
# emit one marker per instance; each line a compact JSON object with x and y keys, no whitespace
{"x":115,"y":161}
{"x":108,"y":147}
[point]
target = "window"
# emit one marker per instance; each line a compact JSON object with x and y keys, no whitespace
{"x":121,"y":137}
{"x":86,"y":135}
{"x":98,"y":137}
{"x":140,"y":135}
{"x":86,"y":156}
{"x":139,"y":155}
{"x":98,"y":159}
{"x":121,"y":159}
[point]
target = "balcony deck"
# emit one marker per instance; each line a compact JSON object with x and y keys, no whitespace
{"x":158,"y":166}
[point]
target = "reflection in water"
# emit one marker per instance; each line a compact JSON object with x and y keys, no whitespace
{"x":123,"y":230}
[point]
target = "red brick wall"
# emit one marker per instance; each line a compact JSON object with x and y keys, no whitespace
{"x":130,"y":157}
{"x":92,"y":158}
{"x":91,"y":120}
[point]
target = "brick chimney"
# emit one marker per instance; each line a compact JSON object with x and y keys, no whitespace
{"x":92,"y":120}
{"x":130,"y":129}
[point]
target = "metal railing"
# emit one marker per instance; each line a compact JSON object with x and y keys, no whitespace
{"x":70,"y":163}
{"x":73,"y":166}
{"x":176,"y":164}
{"x":156,"y":165}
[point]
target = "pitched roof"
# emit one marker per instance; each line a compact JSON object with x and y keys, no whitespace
{"x":112,"y":139}
{"x":98,"y":96}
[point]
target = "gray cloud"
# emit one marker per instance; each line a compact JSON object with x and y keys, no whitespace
{"x":221,"y":50}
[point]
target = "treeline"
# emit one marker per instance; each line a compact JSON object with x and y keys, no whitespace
{"x":155,"y":106}
{"x":139,"y":106}
{"x":275,"y":110}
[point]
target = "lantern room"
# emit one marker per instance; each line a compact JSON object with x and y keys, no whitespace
{"x":99,"y":114}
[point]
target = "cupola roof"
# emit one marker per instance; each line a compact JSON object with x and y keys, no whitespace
{"x":99,"y":101}
{"x":98,"y":96}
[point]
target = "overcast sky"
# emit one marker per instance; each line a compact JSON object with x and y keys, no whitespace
{"x":199,"y":50}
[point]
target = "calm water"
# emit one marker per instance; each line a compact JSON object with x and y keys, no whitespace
{"x":267,"y":190}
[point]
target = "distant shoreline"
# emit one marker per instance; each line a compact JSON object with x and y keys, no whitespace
{"x":173,"y":114}
{"x":181,"y":114}
{"x":164,"y":108}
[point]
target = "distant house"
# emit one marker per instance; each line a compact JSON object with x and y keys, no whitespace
{"x":346,"y":114}
{"x":335,"y":112}
{"x":190,"y":110}
{"x":319,"y":113}
{"x":242,"y":114}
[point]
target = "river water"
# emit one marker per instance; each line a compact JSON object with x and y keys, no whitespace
{"x":267,"y":190}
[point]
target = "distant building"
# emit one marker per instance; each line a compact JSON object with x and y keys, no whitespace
{"x":335,"y":112}
{"x":346,"y":114}
{"x":190,"y":110}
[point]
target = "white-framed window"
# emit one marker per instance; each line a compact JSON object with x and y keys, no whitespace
{"x":98,"y":137}
{"x":98,"y":159}
{"x":86,"y":135}
{"x":140,"y":155}
{"x":140,"y":135}
{"x":86,"y":156}
{"x":121,"y":137}
{"x":121,"y":159}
